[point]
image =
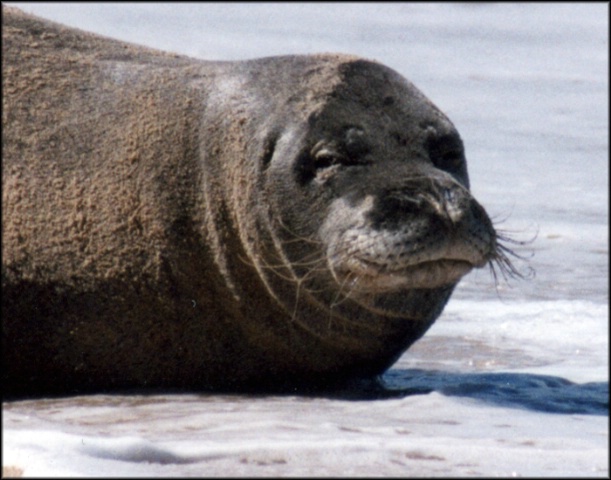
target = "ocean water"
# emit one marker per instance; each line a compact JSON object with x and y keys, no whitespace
{"x":512,"y":380}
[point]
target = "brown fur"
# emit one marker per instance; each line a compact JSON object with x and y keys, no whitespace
{"x":135,"y":222}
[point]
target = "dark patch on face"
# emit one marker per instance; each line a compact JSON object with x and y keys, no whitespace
{"x":388,"y":101}
{"x":400,"y":139}
{"x":389,"y":212}
{"x":398,"y":206}
{"x":356,"y":145}
{"x":446,"y":152}
{"x":305,"y":168}
{"x":268,"y":149}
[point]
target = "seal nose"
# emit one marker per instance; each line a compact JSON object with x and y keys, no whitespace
{"x":445,"y":199}
{"x":442,"y":198}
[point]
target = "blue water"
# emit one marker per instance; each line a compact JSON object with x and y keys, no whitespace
{"x":542,"y":393}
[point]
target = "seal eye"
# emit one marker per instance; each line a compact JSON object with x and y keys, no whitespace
{"x":318,"y":163}
{"x":324,"y":161}
{"x":326,"y":158}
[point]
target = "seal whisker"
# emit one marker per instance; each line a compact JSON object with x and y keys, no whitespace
{"x":266,"y":265}
{"x":501,"y":257}
{"x":339,"y":298}
{"x":301,"y":284}
{"x":347,"y":281}
{"x":295,"y":237}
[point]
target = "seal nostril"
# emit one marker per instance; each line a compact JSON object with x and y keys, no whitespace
{"x":449,"y":195}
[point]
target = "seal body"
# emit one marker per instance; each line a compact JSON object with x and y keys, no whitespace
{"x":181,"y":224}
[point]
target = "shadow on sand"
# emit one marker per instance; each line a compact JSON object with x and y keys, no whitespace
{"x":542,"y":393}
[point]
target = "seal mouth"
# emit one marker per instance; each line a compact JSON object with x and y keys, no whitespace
{"x":371,"y":278}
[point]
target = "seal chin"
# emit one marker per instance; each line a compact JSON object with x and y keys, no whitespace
{"x":424,"y":275}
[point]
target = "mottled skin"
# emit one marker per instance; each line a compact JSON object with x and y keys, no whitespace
{"x":174,"y":223}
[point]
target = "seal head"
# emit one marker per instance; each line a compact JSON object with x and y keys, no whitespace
{"x":365,"y":222}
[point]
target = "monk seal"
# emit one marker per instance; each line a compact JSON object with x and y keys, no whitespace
{"x":181,"y":224}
